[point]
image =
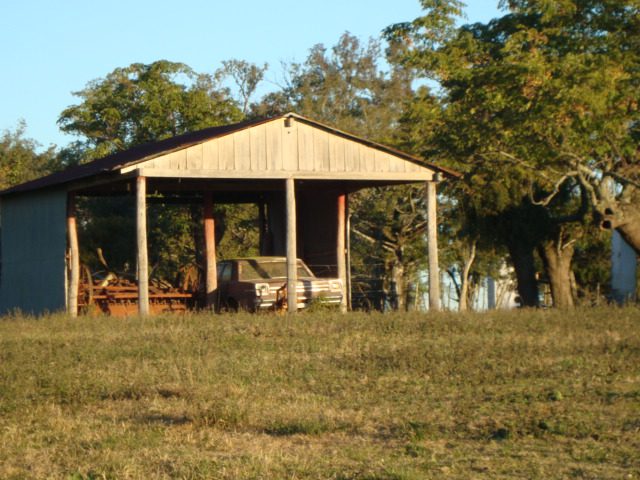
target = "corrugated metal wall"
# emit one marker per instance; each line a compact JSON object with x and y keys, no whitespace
{"x":32,"y":252}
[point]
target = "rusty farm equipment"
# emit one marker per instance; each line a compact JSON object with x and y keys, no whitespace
{"x":117,"y":295}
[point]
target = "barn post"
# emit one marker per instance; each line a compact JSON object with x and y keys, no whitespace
{"x":292,"y":248}
{"x":432,"y":244}
{"x":210,"y":251}
{"x":74,"y":256}
{"x":340,"y":250}
{"x":348,"y":247}
{"x":141,"y":237}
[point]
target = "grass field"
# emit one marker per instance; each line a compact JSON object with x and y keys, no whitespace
{"x":528,"y":394}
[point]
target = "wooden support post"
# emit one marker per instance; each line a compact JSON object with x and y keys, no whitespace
{"x":340,"y":249}
{"x":432,"y":245}
{"x":348,"y":246}
{"x":141,"y":236}
{"x":292,"y":248}
{"x":210,"y":251}
{"x":74,"y":256}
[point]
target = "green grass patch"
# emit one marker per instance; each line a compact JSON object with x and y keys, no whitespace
{"x":525,"y":394}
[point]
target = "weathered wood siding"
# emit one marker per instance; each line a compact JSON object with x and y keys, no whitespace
{"x":275,"y":150}
{"x":32,"y":252}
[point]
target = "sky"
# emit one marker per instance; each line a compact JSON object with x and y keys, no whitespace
{"x":49,"y":49}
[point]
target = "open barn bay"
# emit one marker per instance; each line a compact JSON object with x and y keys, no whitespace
{"x":526,"y":394}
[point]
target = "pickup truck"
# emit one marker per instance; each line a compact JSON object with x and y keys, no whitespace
{"x":260,"y":283}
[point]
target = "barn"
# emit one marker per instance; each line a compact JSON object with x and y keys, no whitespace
{"x":301,"y":171}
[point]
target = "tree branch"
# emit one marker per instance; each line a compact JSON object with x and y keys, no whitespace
{"x":374,"y":241}
{"x":556,"y":189}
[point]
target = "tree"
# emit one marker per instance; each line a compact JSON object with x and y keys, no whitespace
{"x":540,"y":113}
{"x":20,"y":160}
{"x":145,"y":103}
{"x":246,"y":76}
{"x":130,"y":106}
{"x":467,"y":242}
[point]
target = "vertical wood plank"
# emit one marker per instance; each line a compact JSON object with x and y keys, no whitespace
{"x":210,"y":155}
{"x":171,"y":161}
{"x":262,"y":148}
{"x":194,"y":157}
{"x":227,"y":154}
{"x":340,"y":154}
{"x":332,"y":154}
{"x":290,"y":152}
{"x":257,"y":152}
{"x":141,"y":236}
{"x":397,"y":165}
{"x":340,"y":250}
{"x":368,"y":158}
{"x":242,"y":150}
{"x":305,"y":148}
{"x":177,"y":160}
{"x":393,"y":164}
{"x":378,"y":161}
{"x":412,"y":167}
{"x":432,"y":245}
{"x":321,"y":151}
{"x":74,"y":257}
{"x":211,"y":274}
{"x":351,"y":163}
{"x":292,"y":248}
{"x":274,"y":146}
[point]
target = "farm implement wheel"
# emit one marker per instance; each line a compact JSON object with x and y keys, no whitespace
{"x":85,"y":292}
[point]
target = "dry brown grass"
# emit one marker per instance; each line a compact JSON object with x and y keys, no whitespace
{"x":529,"y":394}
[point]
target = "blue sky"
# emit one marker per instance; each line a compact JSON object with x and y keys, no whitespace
{"x":52,"y":48}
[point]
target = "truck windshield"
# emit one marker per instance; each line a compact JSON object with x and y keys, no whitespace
{"x":257,"y":270}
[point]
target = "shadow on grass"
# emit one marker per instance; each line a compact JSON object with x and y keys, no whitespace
{"x":164,"y":419}
{"x":301,"y":427}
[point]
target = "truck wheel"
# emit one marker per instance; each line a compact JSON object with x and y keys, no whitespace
{"x":231,"y":305}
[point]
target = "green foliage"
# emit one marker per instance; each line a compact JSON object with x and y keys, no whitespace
{"x":19,"y":159}
{"x":144,"y":103}
{"x":347,"y":86}
{"x":534,"y":104}
{"x":240,"y":231}
{"x":536,"y":394}
{"x":246,"y":76}
{"x":592,"y":266}
{"x":134,"y":105}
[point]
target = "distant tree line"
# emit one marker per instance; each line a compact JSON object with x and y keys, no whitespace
{"x":537,"y":108}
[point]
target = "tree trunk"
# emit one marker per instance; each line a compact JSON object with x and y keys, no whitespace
{"x":623,"y":216}
{"x":397,"y":286}
{"x":522,"y":259}
{"x":432,"y":244}
{"x":631,"y":234}
{"x":557,"y":263}
{"x":466,"y":269}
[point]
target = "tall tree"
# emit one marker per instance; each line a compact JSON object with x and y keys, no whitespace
{"x":144,"y":103}
{"x":246,"y":76}
{"x":130,"y":106}
{"x":540,"y":104}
